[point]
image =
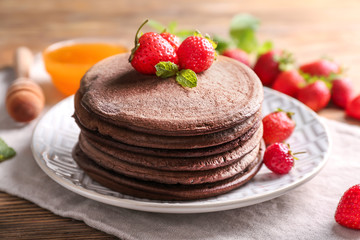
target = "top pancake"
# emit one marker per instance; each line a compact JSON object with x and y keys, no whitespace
{"x":227,"y":93}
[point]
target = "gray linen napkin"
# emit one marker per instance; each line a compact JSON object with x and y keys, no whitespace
{"x":304,"y":213}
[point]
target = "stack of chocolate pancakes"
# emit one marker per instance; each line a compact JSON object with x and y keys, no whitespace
{"x":152,"y":138}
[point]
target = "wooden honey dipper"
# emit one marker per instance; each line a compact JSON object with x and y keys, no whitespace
{"x":24,"y":98}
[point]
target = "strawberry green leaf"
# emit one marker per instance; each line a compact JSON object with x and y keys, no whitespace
{"x":213,"y":43}
{"x":207,"y":37}
{"x":334,"y":76}
{"x":172,"y":27}
{"x":186,"y":78}
{"x":243,"y":32}
{"x":6,"y":152}
{"x":222,"y":44}
{"x":184,"y":33}
{"x":156,"y":25}
{"x":286,"y":60}
{"x":289,"y":114}
{"x":198,"y":34}
{"x":265,"y":47}
{"x":312,"y":78}
{"x":166,"y":69}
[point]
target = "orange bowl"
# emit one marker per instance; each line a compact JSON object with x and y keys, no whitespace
{"x":67,"y":61}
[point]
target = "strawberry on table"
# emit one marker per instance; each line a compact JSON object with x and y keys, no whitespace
{"x":196,"y":53}
{"x":237,"y":54}
{"x":342,"y":92}
{"x":279,"y":158}
{"x":269,"y":65}
{"x":321,"y":67}
{"x":278,"y":126}
{"x":289,"y":82}
{"x":353,"y":108}
{"x":348,"y":210}
{"x":150,"y":49}
{"x":315,"y":95}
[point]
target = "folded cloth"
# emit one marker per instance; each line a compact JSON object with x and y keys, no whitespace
{"x":306,"y":212}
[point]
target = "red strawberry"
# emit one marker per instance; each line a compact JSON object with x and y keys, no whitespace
{"x":348,"y":210}
{"x":353,"y":108}
{"x":289,"y":82}
{"x":237,"y":54}
{"x":278,"y":126}
{"x":342,"y":92}
{"x":315,"y":95}
{"x":279,"y":158}
{"x":172,"y":39}
{"x":149,"y":50}
{"x":320,"y":67}
{"x":196,"y":53}
{"x":269,"y":65}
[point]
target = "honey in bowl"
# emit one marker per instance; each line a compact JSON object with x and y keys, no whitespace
{"x":68,"y":61}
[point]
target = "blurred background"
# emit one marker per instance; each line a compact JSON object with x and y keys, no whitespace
{"x":308,"y":29}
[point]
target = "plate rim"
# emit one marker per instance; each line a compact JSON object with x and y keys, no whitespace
{"x":182,"y":207}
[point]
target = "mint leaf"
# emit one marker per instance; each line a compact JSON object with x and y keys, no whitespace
{"x":166,"y":69}
{"x":243,"y":32}
{"x":6,"y":152}
{"x":186,"y":78}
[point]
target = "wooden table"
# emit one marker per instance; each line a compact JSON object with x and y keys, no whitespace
{"x":309,"y":29}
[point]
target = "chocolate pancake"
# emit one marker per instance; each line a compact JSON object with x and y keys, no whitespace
{"x":158,"y":191}
{"x":168,"y":177}
{"x":89,"y":121}
{"x":226,"y":94}
{"x":98,"y":140}
{"x":172,"y":163}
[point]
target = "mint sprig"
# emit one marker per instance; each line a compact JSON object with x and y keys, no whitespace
{"x":185,"y":77}
{"x":166,"y":69}
{"x":6,"y":152}
{"x":243,"y":29}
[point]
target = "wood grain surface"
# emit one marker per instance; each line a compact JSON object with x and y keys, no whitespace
{"x":309,"y":29}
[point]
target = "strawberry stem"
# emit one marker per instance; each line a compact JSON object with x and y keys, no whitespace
{"x":136,"y":41}
{"x":286,"y":60}
{"x":289,"y":114}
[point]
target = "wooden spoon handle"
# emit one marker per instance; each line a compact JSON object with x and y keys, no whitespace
{"x":22,"y":61}
{"x":24,"y":98}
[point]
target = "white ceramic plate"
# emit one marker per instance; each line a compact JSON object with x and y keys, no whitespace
{"x":56,"y":134}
